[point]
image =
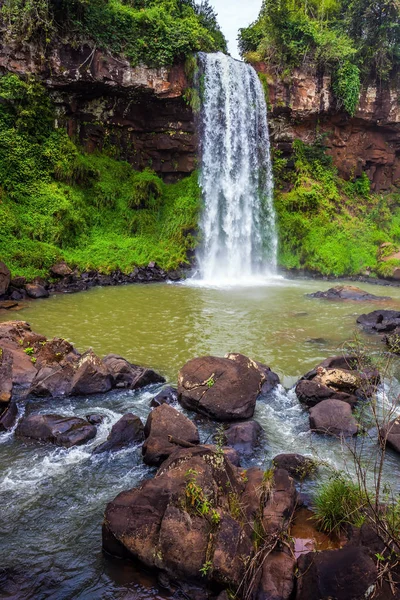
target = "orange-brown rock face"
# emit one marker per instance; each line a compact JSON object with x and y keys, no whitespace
{"x":303,"y":106}
{"x":104,"y":102}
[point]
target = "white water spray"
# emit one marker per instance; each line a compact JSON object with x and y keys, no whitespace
{"x":238,"y":222}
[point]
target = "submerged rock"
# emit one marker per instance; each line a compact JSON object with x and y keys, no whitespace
{"x":225,"y":389}
{"x":169,"y":395}
{"x":162,"y":422}
{"x":333,"y":417}
{"x":57,"y":429}
{"x":243,"y":437}
{"x":345,"y":574}
{"x":380,"y":321}
{"x":125,"y":432}
{"x":347,"y":292}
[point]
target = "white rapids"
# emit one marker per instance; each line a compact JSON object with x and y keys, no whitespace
{"x":239,"y":239}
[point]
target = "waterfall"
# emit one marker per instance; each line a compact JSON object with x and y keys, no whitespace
{"x":238,"y":238}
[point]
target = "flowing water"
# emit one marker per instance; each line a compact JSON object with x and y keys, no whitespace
{"x":238,"y":224}
{"x":52,"y":499}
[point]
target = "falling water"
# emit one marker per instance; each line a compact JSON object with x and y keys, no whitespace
{"x":238,"y":222}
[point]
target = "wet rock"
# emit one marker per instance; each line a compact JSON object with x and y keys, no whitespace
{"x":8,"y":304}
{"x":5,"y":278}
{"x":9,"y":416}
{"x":347,"y":292}
{"x":280,"y":504}
{"x":333,"y":417}
{"x":57,"y":429}
{"x":312,"y":392}
{"x":296,"y":465}
{"x":392,"y":434}
{"x":35,"y":290}
{"x":276,"y":581}
{"x":91,"y":376}
{"x":169,"y":395}
{"x":127,"y":375}
{"x":345,"y":574}
{"x":225,"y":389}
{"x":381,"y":321}
{"x":18,"y":282}
{"x":6,"y":376}
{"x":125,"y":432}
{"x":60,"y":269}
{"x":54,"y":381}
{"x":271,"y":379}
{"x":161,"y":523}
{"x":162,"y":422}
{"x":243,"y":437}
{"x":94,"y":418}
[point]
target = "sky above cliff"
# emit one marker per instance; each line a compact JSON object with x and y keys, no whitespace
{"x":234,"y":14}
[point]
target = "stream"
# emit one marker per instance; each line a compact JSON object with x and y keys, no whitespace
{"x":53,"y":499}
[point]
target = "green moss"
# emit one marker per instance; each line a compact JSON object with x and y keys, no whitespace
{"x":330,"y":226}
{"x":91,"y":210}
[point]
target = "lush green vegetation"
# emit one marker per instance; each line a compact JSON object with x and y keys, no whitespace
{"x":354,"y":40}
{"x":154,"y":32}
{"x":95,"y":212}
{"x":338,"y":503}
{"x":328,"y":225}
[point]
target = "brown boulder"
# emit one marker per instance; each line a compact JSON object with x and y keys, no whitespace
{"x":127,"y":375}
{"x":392,"y":434}
{"x":5,"y":278}
{"x":162,"y":422}
{"x":91,"y":376}
{"x":347,"y":292}
{"x":277,"y":577}
{"x":35,"y":290}
{"x":60,"y":269}
{"x":125,"y":432}
{"x":6,"y":376}
{"x":333,"y":417}
{"x":9,"y":416}
{"x":279,"y":504}
{"x":225,"y":389}
{"x":243,"y":437}
{"x":57,"y":429}
{"x":345,"y":574}
{"x":312,"y":392}
{"x":169,"y":395}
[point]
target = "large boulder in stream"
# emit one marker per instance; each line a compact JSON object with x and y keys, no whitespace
{"x":297,"y":465}
{"x":333,"y":417}
{"x":57,"y":429}
{"x":380,"y":321}
{"x":347,"y":292}
{"x":127,"y":431}
{"x":342,"y":378}
{"x":127,"y":375}
{"x":225,"y":389}
{"x":162,"y":422}
{"x":243,"y":436}
{"x":193,"y":521}
{"x":391,"y":432}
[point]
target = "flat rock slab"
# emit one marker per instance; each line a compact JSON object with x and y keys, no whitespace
{"x":225,"y":389}
{"x":56,"y":429}
{"x":333,"y":417}
{"x":347,"y":292}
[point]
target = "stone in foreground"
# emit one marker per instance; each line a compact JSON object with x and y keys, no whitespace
{"x":225,"y":389}
{"x":346,"y":574}
{"x":127,"y":431}
{"x":333,"y":417}
{"x":347,"y":292}
{"x":57,"y":429}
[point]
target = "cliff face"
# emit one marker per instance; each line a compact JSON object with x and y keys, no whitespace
{"x":302,"y":107}
{"x":137,"y":112}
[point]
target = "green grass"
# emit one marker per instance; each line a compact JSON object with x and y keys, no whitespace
{"x":327,"y":225}
{"x":95,"y":212}
{"x":338,"y":503}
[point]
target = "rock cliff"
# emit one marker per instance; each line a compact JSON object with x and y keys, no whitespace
{"x":302,"y":106}
{"x":138,"y":113}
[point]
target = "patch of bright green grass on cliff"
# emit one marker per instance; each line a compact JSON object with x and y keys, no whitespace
{"x":330,"y":226}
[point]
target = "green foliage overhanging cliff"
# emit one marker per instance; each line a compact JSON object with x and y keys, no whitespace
{"x":151,"y":32}
{"x":91,"y":210}
{"x":356,"y":41}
